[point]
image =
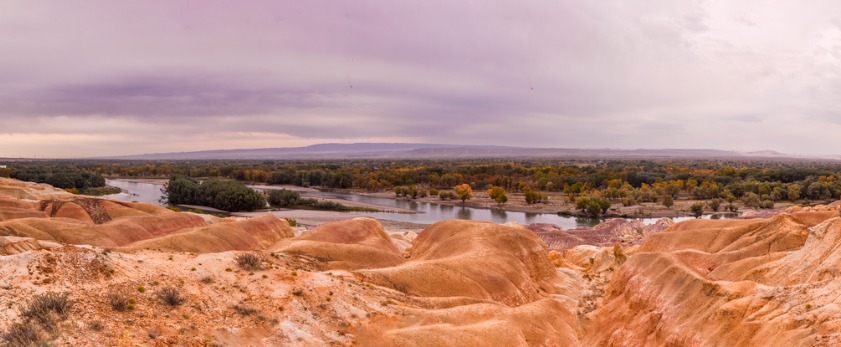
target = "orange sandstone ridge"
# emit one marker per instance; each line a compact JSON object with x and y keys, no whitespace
{"x":748,"y":282}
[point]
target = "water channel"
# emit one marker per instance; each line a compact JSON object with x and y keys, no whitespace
{"x":428,"y":212}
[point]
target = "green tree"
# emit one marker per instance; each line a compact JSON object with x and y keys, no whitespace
{"x":592,"y":205}
{"x":793,"y":192}
{"x":284,"y":198}
{"x":751,"y":199}
{"x":668,"y":201}
{"x":448,"y":180}
{"x":697,"y":209}
{"x":180,"y":190}
{"x":715,"y":204}
{"x":224,"y":195}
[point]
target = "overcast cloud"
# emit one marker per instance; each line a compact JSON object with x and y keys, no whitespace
{"x":104,"y":77}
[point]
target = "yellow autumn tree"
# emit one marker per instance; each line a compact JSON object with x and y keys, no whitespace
{"x":498,"y":194}
{"x":463,"y":192}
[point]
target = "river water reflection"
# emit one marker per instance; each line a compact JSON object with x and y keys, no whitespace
{"x":429,"y":212}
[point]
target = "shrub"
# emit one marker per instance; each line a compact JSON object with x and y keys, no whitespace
{"x":593,"y":205}
{"x":171,"y":296}
{"x":119,"y":300}
{"x":283,"y":197}
{"x":668,"y":201}
{"x":292,"y":222}
{"x":446,"y":195}
{"x":250,"y":261}
{"x":715,"y":204}
{"x":96,"y":326}
{"x":22,"y":334}
{"x":697,"y":209}
{"x":42,"y":307}
{"x":244,"y":310}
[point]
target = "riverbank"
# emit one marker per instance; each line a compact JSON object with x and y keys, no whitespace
{"x":558,"y":203}
{"x":358,"y":205}
{"x":428,"y":210}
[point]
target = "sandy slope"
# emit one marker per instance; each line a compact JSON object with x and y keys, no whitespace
{"x":758,"y":282}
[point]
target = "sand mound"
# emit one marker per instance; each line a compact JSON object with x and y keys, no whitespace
{"x":7,"y":202}
{"x":746,"y":282}
{"x":359,"y":243}
{"x":546,"y":322}
{"x":116,"y":233}
{"x":758,"y":282}
{"x":477,"y":260}
{"x":13,"y":245}
{"x":30,"y":191}
{"x":8,"y":213}
{"x":250,"y":234}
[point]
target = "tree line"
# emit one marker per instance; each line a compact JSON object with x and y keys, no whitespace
{"x":59,"y":176}
{"x":625,"y":181}
{"x":224,"y":195}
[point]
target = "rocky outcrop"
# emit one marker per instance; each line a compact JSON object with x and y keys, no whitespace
{"x":13,"y":245}
{"x":616,"y":230}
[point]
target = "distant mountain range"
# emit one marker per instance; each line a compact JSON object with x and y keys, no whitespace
{"x":440,"y":151}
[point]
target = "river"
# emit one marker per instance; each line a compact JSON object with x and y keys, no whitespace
{"x":428,"y":212}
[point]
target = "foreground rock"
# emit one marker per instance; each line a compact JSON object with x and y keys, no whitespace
{"x":759,"y":282}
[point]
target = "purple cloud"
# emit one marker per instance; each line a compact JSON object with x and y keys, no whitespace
{"x":140,"y":76}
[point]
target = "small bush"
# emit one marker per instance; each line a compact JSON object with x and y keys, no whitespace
{"x":171,"y":296}
{"x":250,"y":261}
{"x":207,"y":280}
{"x":119,"y":300}
{"x":141,"y":289}
{"x":244,"y":310}
{"x":697,"y":209}
{"x":43,"y":307}
{"x":22,"y":334}
{"x":283,"y":197}
{"x":292,"y":222}
{"x":715,"y":204}
{"x":96,"y":326}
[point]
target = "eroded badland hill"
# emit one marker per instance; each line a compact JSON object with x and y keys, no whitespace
{"x":138,"y":274}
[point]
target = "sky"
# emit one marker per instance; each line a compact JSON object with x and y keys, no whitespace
{"x":103,"y":77}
